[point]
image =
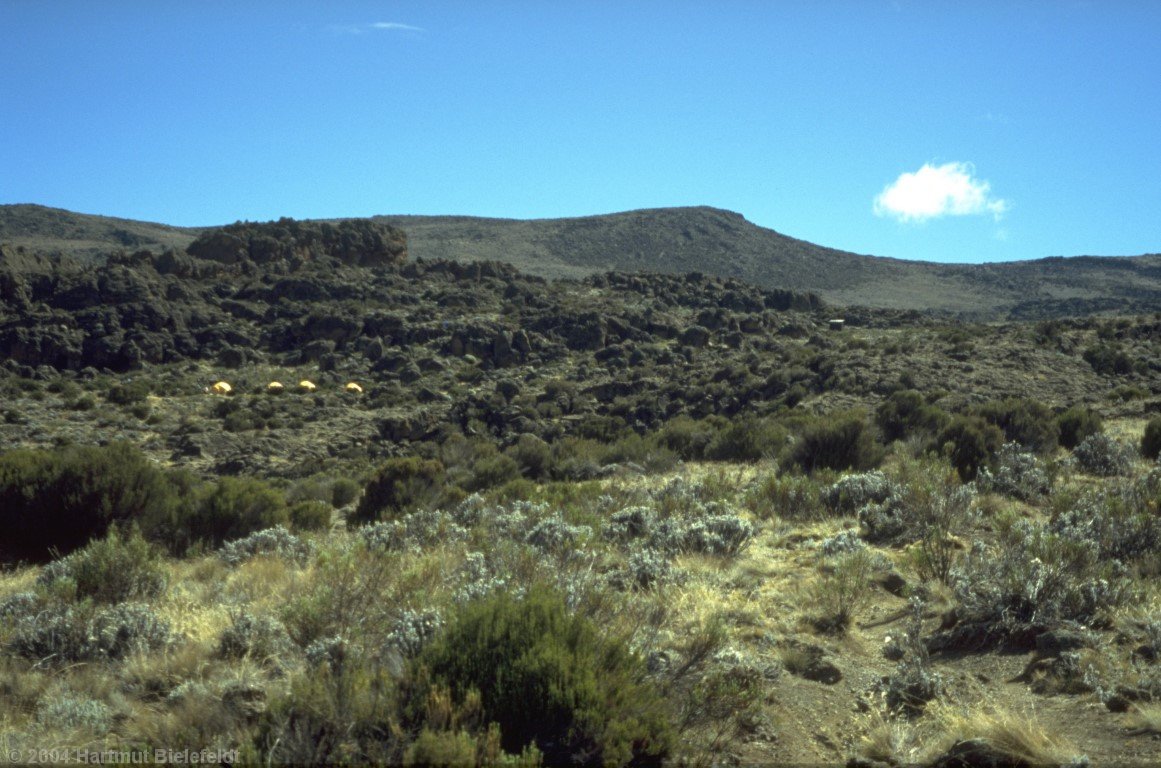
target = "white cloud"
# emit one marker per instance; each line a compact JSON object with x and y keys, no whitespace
{"x":935,"y":191}
{"x":394,"y":25}
{"x":378,"y":26}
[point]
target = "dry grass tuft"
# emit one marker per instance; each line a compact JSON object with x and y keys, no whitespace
{"x":1021,"y":738}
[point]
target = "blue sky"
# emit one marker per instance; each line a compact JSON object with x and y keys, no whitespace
{"x":967,"y":131}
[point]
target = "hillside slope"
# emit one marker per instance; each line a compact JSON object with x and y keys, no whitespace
{"x":679,"y":240}
{"x":725,"y":244}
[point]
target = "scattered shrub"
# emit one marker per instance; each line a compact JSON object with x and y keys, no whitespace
{"x":1016,"y":474}
{"x":110,"y":570}
{"x":852,"y":492}
{"x":837,"y":442}
{"x":66,"y":634}
{"x":789,"y":496}
{"x":1023,"y":421}
{"x":905,"y":413}
{"x":547,"y":678}
{"x":1076,"y":424}
{"x":400,"y":486}
{"x":1099,"y":454}
{"x":970,"y":443}
{"x":276,"y":541}
{"x":1151,"y":440}
{"x":236,"y":507}
{"x":56,"y":501}
{"x":262,"y":638}
{"x":688,"y":438}
{"x":1031,"y":581}
{"x":532,"y":455}
{"x":310,"y":516}
{"x":747,"y":440}
{"x":344,"y":491}
{"x":1108,"y":360}
{"x":841,"y":589}
{"x":128,"y":393}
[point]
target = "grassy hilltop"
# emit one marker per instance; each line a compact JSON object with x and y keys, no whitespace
{"x":639,"y":517}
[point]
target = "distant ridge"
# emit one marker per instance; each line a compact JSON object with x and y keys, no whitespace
{"x":695,"y":239}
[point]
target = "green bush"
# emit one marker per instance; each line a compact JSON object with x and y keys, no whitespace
{"x":492,"y":471}
{"x":906,"y":412}
{"x":128,"y":393}
{"x":688,"y":438}
{"x":56,"y":501}
{"x":114,"y":570}
{"x":837,"y":442}
{"x":310,"y":515}
{"x":547,"y":678}
{"x":1076,"y":424}
{"x":1023,"y":421}
{"x":400,"y":486}
{"x":344,"y":491}
{"x":747,"y":440}
{"x":532,"y":455}
{"x":1151,"y":440}
{"x":236,"y":507}
{"x":1108,"y":360}
{"x":970,"y":443}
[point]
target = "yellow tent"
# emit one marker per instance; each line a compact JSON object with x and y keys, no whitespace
{"x":274,"y":386}
{"x":221,"y":388}
{"x":307,"y":386}
{"x":353,"y":388}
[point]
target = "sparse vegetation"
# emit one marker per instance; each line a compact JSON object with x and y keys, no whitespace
{"x":691,"y":521}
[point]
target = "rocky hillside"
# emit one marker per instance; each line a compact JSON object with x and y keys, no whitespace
{"x":682,"y":240}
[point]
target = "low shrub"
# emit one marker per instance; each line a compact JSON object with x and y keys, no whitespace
{"x":549,"y":679}
{"x":1017,"y":474}
{"x":110,"y":570}
{"x":1076,"y":424}
{"x":64,"y":634}
{"x":1031,"y":581}
{"x":344,"y":491}
{"x":905,"y":413}
{"x":970,"y":443}
{"x":687,"y":437}
{"x":1151,"y":440}
{"x":852,"y":492}
{"x":842,"y":588}
{"x":261,"y":638}
{"x":128,"y":393}
{"x":269,"y":542}
{"x":310,"y":515}
{"x":1027,"y":422}
{"x":1099,"y":454}
{"x":236,"y":507}
{"x":837,"y":442}
{"x":56,"y":501}
{"x":400,"y":486}
{"x":747,"y":440}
